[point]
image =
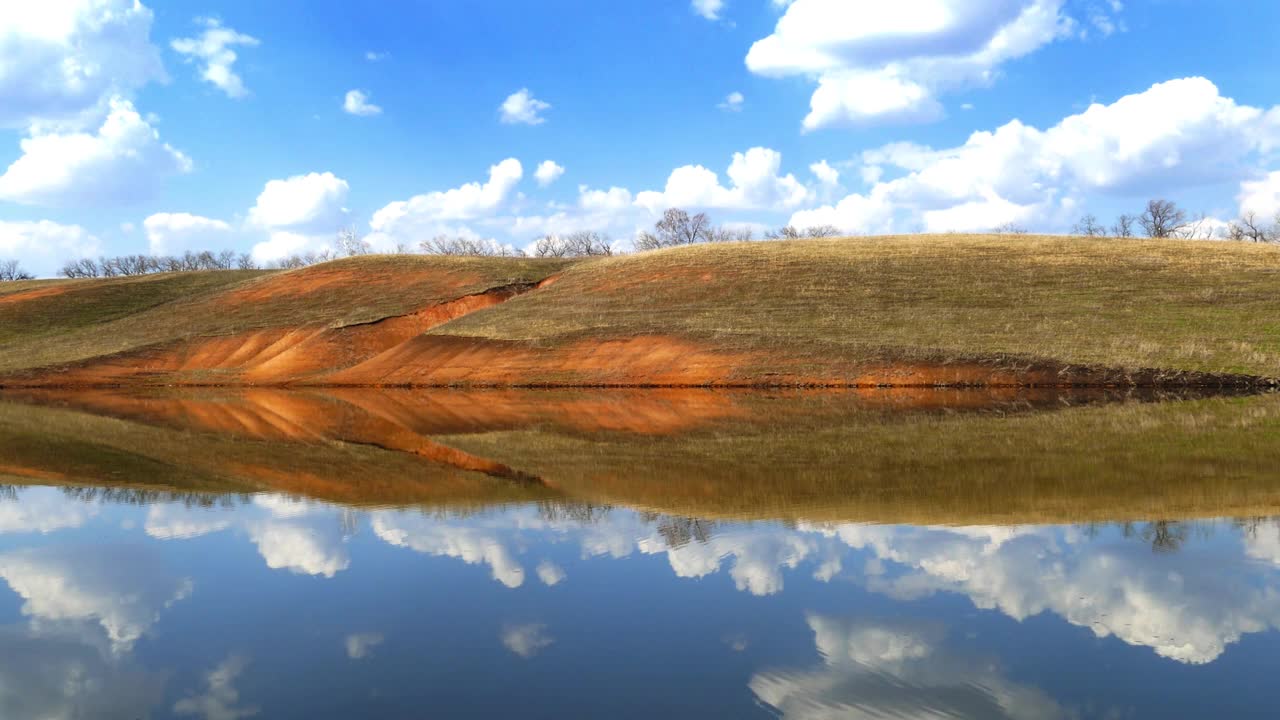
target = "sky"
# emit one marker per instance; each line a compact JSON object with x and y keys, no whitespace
{"x":131,"y":127}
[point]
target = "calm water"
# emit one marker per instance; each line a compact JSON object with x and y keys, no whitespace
{"x":602,"y":555}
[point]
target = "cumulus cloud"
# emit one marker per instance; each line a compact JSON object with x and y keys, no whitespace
{"x":733,"y":102}
{"x":826,"y":174}
{"x":174,"y":233}
{"x":1186,"y":606}
{"x":60,"y":60}
{"x":121,"y":588}
{"x":472,"y":545}
{"x":43,"y":246}
{"x":300,"y":547}
{"x":522,"y":108}
{"x":220,"y":699}
{"x":896,"y":669}
{"x":1262,"y":196}
{"x":212,"y":51}
{"x":550,"y":573}
{"x":526,"y":640}
{"x":433,"y":213}
{"x":548,"y":172}
{"x":43,"y":675}
{"x":755,"y":179}
{"x":709,"y":9}
{"x":357,"y":103}
{"x":880,"y":62}
{"x":300,"y":213}
{"x":360,"y":645}
{"x":43,"y":510}
{"x":1176,"y":134}
{"x":123,"y":162}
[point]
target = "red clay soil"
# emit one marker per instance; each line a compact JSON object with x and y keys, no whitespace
{"x":396,"y":352}
{"x":25,"y":295}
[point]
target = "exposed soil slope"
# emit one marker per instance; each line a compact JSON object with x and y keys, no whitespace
{"x":900,"y":311}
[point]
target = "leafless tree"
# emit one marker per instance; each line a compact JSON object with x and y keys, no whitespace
{"x":447,"y":245}
{"x":1088,"y":226}
{"x":351,"y":243}
{"x":676,"y":227}
{"x":82,"y":268}
{"x":245,"y":261}
{"x":1124,"y":227}
{"x":1163,"y":219}
{"x":11,"y":271}
{"x":1011,"y":228}
{"x":791,"y":232}
{"x":727,"y":234}
{"x":583,"y":243}
{"x":1250,"y":228}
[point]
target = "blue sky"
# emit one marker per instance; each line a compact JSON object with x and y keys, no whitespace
{"x":147,"y":127}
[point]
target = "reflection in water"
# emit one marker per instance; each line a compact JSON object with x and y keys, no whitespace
{"x":1185,"y":602}
{"x":345,"y":554}
{"x":896,"y":669}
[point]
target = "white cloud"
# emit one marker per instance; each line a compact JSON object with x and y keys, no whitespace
{"x":123,"y":162}
{"x":360,"y":646}
{"x":121,"y":588}
{"x":1261,"y":196}
{"x":826,"y":174}
{"x":550,"y":573}
{"x":615,"y":198}
{"x":424,"y":216}
{"x":898,"y":668}
{"x":175,"y":233}
{"x":878,"y":61}
{"x":756,"y":184}
{"x":522,"y":108}
{"x":51,"y":675}
{"x":42,"y":247}
{"x":526,"y":640}
{"x":59,"y":60}
{"x":357,"y":103}
{"x":548,"y":172}
{"x":733,"y":102}
{"x":213,"y":50}
{"x":709,"y":9}
{"x":302,"y":202}
{"x":43,"y":510}
{"x":472,"y":545}
{"x":1174,"y":135}
{"x":220,"y":699}
{"x":301,"y":548}
{"x":373,"y":56}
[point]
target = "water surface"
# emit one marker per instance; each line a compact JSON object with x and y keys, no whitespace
{"x":403,"y":555}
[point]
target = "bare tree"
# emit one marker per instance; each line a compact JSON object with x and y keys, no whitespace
{"x":446,"y":245}
{"x":676,"y":227}
{"x":11,"y":271}
{"x":245,"y":261}
{"x":351,"y":243}
{"x":1163,"y":219}
{"x":583,"y":243}
{"x":823,"y":231}
{"x":1088,"y":226}
{"x":1011,"y":228}
{"x":1249,"y":228}
{"x":82,"y":268}
{"x":1124,"y":227}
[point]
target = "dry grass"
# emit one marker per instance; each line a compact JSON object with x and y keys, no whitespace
{"x":1195,"y":306}
{"x":93,"y":318}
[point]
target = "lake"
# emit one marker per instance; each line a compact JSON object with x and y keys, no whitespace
{"x":881,"y":553}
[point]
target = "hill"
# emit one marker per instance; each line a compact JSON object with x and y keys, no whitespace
{"x":908,"y":310}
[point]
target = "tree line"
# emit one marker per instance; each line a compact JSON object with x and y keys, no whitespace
{"x":1159,"y":219}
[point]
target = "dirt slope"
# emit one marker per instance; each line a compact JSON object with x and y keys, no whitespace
{"x":902,"y":311}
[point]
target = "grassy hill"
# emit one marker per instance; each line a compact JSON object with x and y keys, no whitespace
{"x":909,"y":310}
